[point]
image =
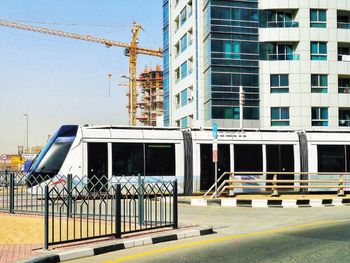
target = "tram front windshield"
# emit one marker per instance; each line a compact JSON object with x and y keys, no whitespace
{"x":50,"y":160}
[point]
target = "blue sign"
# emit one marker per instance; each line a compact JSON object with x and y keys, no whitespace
{"x":215,"y":130}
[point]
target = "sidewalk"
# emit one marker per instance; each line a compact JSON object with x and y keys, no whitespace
{"x":15,"y":243}
{"x":21,"y":237}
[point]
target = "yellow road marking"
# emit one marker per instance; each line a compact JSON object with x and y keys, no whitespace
{"x":219,"y":239}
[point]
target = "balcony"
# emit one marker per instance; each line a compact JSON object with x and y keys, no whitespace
{"x":279,"y":51}
{"x":344,"y":84}
{"x":278,"y":18}
{"x":344,"y":52}
{"x":344,"y":117}
{"x":343,"y":19}
{"x":278,"y":56}
{"x":282,"y":24}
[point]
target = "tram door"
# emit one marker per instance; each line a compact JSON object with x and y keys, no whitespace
{"x":280,"y":158}
{"x":207,"y":166}
{"x":97,"y":166}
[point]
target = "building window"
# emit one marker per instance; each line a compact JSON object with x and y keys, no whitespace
{"x":344,"y":85}
{"x":277,"y":51}
{"x":177,"y":101}
{"x":183,"y":16}
{"x":189,"y":9}
{"x":230,"y":113}
{"x":319,"y":83}
{"x":183,"y":70}
{"x":344,"y":117}
{"x":183,"y":122}
{"x":319,"y":116}
{"x":279,"y":83}
{"x":273,"y":18}
{"x":190,"y":66}
{"x":279,"y":116}
{"x":279,"y":19}
{"x":343,"y":18}
{"x":183,"y":97}
{"x":318,"y":50}
{"x":318,"y":18}
{"x":183,"y":43}
{"x":190,"y":37}
{"x":177,"y":75}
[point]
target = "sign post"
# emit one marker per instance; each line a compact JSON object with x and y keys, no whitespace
{"x":215,"y":155}
{"x":4,"y":158}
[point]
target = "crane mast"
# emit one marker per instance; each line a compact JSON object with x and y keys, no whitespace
{"x":131,"y":50}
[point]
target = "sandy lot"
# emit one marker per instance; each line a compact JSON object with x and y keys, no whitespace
{"x":17,"y":229}
{"x":21,"y":230}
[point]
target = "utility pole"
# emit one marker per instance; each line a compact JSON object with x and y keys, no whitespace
{"x":27,"y":131}
{"x":241,"y":104}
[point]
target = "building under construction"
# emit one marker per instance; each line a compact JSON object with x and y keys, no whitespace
{"x":151,"y":104}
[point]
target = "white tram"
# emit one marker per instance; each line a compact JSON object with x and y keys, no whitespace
{"x":169,"y":153}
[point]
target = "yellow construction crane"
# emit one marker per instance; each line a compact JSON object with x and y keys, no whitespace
{"x":131,"y":50}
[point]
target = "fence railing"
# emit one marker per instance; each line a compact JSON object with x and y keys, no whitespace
{"x":81,"y":208}
{"x":275,"y":182}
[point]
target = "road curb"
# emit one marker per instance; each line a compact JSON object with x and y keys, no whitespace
{"x":270,"y":203}
{"x":119,"y":245}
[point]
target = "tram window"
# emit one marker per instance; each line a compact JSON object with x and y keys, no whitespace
{"x":248,"y":158}
{"x":331,"y":158}
{"x":97,"y":166}
{"x":55,"y":156}
{"x":160,"y":159}
{"x":127,"y":159}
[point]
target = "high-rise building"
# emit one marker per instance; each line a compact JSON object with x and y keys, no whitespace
{"x":292,"y":58}
{"x":151,"y":104}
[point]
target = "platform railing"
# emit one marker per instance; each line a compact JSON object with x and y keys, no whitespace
{"x":251,"y":180}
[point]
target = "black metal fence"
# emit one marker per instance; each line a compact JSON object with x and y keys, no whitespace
{"x":81,"y":208}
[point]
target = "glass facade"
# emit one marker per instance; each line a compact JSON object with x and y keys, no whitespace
{"x":166,"y":61}
{"x":231,"y":58}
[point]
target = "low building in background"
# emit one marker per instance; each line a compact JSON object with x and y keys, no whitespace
{"x":20,"y":161}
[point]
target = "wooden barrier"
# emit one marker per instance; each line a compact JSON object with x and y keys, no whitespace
{"x":274,"y":184}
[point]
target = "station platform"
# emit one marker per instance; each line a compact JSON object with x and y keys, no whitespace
{"x":291,"y":200}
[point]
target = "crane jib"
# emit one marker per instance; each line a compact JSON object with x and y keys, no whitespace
{"x":107,"y":42}
{"x":131,"y":50}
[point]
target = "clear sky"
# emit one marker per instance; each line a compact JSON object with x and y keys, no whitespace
{"x":62,"y":81}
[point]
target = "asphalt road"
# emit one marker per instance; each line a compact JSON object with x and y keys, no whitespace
{"x":252,"y":235}
{"x":325,"y":244}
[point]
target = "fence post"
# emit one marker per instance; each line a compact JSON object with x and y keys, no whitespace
{"x":69,"y":190}
{"x":118,"y":212}
{"x":6,"y":179}
{"x":341,"y":184}
{"x":274,"y":190}
{"x":12,"y":193}
{"x":46,"y":215}
{"x":175,"y":211}
{"x":141,"y":182}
